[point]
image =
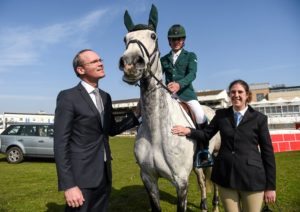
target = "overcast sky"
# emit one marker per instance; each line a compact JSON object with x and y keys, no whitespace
{"x":255,"y":40}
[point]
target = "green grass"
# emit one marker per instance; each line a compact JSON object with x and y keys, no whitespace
{"x":32,"y":185}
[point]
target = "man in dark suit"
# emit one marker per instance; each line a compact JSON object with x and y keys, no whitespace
{"x":245,"y":167}
{"x":83,"y":124}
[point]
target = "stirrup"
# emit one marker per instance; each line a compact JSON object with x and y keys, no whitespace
{"x":198,"y":163}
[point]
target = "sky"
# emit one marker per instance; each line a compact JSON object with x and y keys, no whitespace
{"x":254,"y":40}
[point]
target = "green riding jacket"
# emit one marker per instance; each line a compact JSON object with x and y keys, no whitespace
{"x":183,"y":72}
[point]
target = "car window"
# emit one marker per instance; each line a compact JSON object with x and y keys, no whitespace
{"x":50,"y":131}
{"x":46,"y":130}
{"x":29,"y":130}
{"x":13,"y":130}
{"x":42,"y":131}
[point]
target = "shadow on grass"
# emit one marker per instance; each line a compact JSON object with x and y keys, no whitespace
{"x":31,"y":160}
{"x":128,"y":199}
{"x":3,"y":159}
{"x":54,"y":207}
{"x":135,"y":198}
{"x":39,"y":160}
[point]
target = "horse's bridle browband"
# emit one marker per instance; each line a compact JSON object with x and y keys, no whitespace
{"x":151,"y":61}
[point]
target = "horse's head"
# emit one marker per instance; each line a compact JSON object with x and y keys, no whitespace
{"x":141,"y":48}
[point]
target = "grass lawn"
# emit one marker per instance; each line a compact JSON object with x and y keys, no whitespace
{"x":32,"y":185}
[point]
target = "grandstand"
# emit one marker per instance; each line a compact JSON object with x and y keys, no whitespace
{"x":280,"y":103}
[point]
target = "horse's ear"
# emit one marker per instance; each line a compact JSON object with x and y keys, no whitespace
{"x":127,"y":21}
{"x":153,"y":17}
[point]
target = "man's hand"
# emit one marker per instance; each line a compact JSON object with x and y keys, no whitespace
{"x":270,"y":196}
{"x":138,"y":110}
{"x":74,"y":197}
{"x":174,"y":87}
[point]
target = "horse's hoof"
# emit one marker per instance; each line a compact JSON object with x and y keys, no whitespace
{"x":203,"y":205}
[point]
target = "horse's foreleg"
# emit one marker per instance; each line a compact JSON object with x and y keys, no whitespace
{"x":182,"y":188}
{"x":151,"y":185}
{"x":202,"y":186}
{"x":215,"y":201}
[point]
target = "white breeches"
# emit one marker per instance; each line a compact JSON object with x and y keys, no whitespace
{"x":198,"y":111}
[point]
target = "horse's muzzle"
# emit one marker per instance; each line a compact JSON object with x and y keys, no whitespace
{"x":133,"y":68}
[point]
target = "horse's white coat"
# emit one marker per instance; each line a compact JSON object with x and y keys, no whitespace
{"x":158,"y":152}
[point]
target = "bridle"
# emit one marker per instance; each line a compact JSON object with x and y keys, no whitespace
{"x":151,"y":59}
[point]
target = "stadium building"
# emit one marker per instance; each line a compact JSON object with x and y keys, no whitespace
{"x":280,"y":103}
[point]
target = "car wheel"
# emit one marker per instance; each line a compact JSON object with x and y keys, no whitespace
{"x":14,"y":155}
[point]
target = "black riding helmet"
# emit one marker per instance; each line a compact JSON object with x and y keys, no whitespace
{"x":176,"y":31}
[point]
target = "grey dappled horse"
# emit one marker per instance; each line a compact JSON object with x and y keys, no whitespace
{"x":158,"y":152}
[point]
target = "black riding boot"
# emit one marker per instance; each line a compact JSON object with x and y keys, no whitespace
{"x":201,"y":146}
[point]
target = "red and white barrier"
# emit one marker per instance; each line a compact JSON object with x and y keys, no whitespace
{"x":285,"y":140}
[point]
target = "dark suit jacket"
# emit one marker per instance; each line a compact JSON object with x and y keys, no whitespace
{"x":79,"y":135}
{"x":183,"y":72}
{"x":246,"y":158}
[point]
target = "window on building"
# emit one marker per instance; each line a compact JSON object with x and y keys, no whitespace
{"x":284,"y":109}
{"x":260,"y":109}
{"x":273,"y":109}
{"x":260,"y":96}
{"x":290,"y":108}
{"x":278,"y":109}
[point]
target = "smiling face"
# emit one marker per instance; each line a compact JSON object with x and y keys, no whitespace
{"x":239,"y":96}
{"x":176,"y":43}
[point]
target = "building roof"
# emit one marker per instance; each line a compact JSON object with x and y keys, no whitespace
{"x":278,"y":101}
{"x":258,"y":86}
{"x":125,"y":101}
{"x":208,"y":93}
{"x":39,"y":113}
{"x":284,"y":88}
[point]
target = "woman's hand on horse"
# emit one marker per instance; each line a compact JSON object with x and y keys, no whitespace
{"x":180,"y":130}
{"x":174,"y":87}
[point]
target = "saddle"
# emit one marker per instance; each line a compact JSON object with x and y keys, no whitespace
{"x":189,"y":111}
{"x":202,"y":158}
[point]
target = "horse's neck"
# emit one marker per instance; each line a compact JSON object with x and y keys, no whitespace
{"x":154,"y":98}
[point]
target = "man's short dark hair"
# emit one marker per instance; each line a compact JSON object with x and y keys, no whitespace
{"x":77,"y":62}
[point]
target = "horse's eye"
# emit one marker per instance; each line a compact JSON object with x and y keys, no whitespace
{"x":153,"y":36}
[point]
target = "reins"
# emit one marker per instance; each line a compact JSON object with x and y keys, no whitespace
{"x":158,"y":82}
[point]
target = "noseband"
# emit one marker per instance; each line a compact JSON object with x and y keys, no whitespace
{"x":150,"y":59}
{"x":144,"y":49}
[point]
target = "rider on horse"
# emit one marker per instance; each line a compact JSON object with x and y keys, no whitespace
{"x":180,"y":68}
